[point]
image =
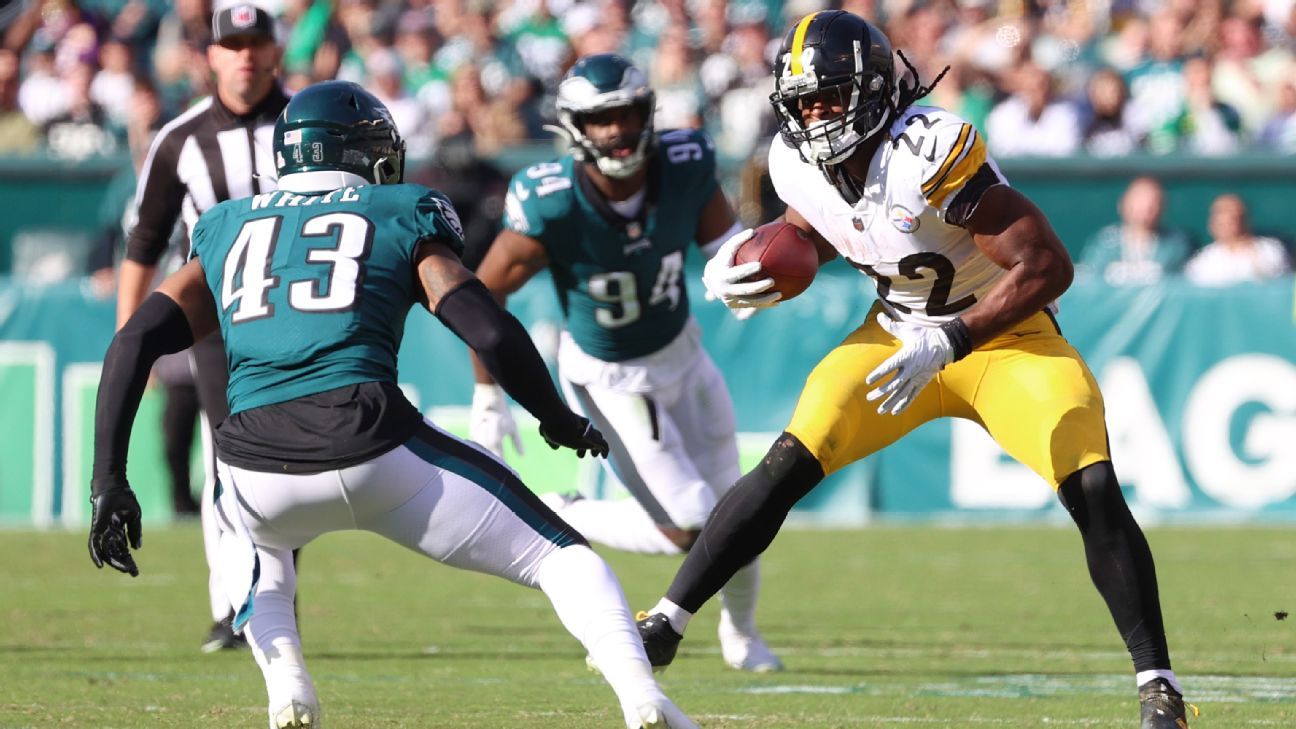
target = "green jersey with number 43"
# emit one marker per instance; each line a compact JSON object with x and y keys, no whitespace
{"x":312,"y":290}
{"x":619,"y":279}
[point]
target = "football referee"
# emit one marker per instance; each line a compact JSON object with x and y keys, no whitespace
{"x":220,"y":149}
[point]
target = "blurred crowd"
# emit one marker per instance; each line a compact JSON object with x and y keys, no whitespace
{"x":468,"y":80}
{"x":1140,"y":248}
{"x":1040,"y":77}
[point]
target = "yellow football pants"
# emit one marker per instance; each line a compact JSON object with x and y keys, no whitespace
{"x":1028,"y":388}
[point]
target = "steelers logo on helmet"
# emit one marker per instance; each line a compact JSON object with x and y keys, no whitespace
{"x":843,"y":65}
{"x":601,"y":83}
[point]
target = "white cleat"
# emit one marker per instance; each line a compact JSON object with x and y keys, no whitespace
{"x":296,"y":715}
{"x":660,"y":714}
{"x":746,"y":652}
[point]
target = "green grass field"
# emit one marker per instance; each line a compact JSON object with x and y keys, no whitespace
{"x":883,"y":627}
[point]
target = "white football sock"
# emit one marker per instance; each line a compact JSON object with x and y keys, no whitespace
{"x":1143,"y":677}
{"x":739,"y":598}
{"x":286,"y":677}
{"x":591,"y":606}
{"x":677,"y":616}
{"x":272,"y":634}
{"x":621,"y":524}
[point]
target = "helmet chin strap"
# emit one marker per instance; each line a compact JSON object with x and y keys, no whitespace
{"x":619,"y":168}
{"x":827,"y":152}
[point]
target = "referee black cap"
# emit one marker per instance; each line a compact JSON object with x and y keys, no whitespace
{"x":241,"y":19}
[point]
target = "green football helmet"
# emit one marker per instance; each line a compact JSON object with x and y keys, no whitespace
{"x":337,"y":125}
{"x":597,"y":83}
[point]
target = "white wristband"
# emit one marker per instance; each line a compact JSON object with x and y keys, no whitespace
{"x":487,"y":393}
{"x":710,"y":248}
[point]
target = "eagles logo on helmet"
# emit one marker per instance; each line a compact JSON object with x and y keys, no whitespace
{"x":598,"y":83}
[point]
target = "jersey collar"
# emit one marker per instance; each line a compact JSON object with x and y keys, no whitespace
{"x":633,"y":227}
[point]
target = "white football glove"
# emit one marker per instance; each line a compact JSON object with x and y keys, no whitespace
{"x":491,"y":421}
{"x":924,"y":351}
{"x":725,"y":281}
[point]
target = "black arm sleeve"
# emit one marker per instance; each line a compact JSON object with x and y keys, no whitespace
{"x":504,"y":347}
{"x":159,"y":197}
{"x":159,"y":327}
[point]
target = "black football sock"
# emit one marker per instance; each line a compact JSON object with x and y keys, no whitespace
{"x":745,"y":521}
{"x":1120,"y":562}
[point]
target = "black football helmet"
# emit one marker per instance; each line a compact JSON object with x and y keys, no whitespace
{"x":834,"y":52}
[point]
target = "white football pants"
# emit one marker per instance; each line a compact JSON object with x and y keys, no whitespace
{"x":217,"y":600}
{"x":673,"y":447}
{"x":438,"y":495}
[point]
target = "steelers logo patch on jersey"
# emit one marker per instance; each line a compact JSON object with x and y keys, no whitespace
{"x":904,"y":219}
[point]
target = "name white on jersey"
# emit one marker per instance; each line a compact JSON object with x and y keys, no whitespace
{"x":927,"y":270}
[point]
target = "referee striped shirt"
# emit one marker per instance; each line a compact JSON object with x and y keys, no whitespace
{"x":205,"y":156}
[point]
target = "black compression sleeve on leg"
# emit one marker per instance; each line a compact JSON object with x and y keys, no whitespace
{"x":1120,"y":561}
{"x":179,"y":420}
{"x":745,"y":521}
{"x":504,"y":347}
{"x":159,"y":327}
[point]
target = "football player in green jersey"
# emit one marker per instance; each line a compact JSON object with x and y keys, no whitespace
{"x":310,"y":286}
{"x":612,"y":221}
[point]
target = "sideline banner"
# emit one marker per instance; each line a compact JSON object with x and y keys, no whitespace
{"x":1200,"y":386}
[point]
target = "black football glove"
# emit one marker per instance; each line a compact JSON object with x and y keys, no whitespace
{"x":115,"y":518}
{"x":578,"y":434}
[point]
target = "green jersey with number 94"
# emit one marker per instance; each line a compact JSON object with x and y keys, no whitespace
{"x":312,"y":290}
{"x":619,"y":279}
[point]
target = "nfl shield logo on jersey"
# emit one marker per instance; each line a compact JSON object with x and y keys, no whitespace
{"x":904,"y":220}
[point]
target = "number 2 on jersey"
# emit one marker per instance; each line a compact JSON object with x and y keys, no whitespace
{"x":246,"y":281}
{"x":938,"y":303}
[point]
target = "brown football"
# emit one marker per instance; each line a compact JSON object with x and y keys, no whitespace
{"x":786,"y":254}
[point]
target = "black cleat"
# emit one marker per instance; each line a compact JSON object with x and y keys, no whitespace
{"x":659,"y":638}
{"x":221,"y":637}
{"x":1161,"y":707}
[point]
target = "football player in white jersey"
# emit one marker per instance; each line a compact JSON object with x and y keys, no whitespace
{"x":967,"y":272}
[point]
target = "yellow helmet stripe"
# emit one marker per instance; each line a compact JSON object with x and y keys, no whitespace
{"x":798,"y":41}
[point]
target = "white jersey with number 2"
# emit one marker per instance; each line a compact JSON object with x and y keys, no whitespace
{"x":924,"y":181}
